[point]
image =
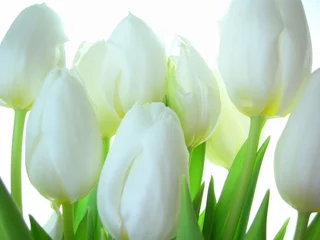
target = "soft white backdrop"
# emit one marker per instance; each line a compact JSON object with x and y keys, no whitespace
{"x":193,"y":19}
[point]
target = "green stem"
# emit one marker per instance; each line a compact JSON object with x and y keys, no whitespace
{"x":93,"y":197}
{"x":16,"y":149}
{"x":197,"y":157}
{"x":256,"y":125}
{"x":67,"y":211}
{"x":105,"y":148}
{"x":302,"y":224}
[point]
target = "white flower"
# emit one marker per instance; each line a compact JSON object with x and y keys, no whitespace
{"x":139,"y":187}
{"x":63,"y":144}
{"x":230,"y":133}
{"x":32,"y":46}
{"x":128,"y":68}
{"x":264,"y":55}
{"x":297,"y":156}
{"x":193,"y":94}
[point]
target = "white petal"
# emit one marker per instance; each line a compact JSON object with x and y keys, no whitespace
{"x":297,"y":162}
{"x":152,"y":189}
{"x":248,"y":52}
{"x":28,"y":51}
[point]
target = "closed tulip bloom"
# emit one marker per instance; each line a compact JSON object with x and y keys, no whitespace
{"x":297,"y":156}
{"x":32,"y":46}
{"x":129,"y":67}
{"x":139,"y":187}
{"x":193,"y":94}
{"x":265,"y":55}
{"x":63,"y":144}
{"x":230,"y":133}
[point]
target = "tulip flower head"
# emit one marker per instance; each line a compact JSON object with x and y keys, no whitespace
{"x":230,"y":133}
{"x":297,"y":156}
{"x":141,"y":177}
{"x":129,"y":67}
{"x":63,"y":144}
{"x":32,"y":46}
{"x":264,"y":55}
{"x":193,"y":94}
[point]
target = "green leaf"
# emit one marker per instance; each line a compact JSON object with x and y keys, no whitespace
{"x":85,"y":230}
{"x":79,"y":211}
{"x":197,"y":201}
{"x":258,"y":229}
{"x":280,"y":235}
{"x":11,"y":220}
{"x":208,"y":219}
{"x":196,"y":168}
{"x":245,"y":214}
{"x":201,"y":219}
{"x":37,"y":231}
{"x":188,"y":226}
{"x":313,"y":231}
{"x":222,"y":207}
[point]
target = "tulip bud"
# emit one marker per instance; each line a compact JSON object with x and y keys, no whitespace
{"x":63,"y":145}
{"x":30,"y":49}
{"x":230,"y":133}
{"x":296,"y":165}
{"x":265,"y":55}
{"x":139,"y":187}
{"x":129,"y":68}
{"x":193,"y":94}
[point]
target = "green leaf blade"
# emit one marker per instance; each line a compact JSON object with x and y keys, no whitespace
{"x":37,"y":231}
{"x":282,"y":232}
{"x":188,"y":226}
{"x":245,"y":214}
{"x":85,"y":229}
{"x":209,"y":212}
{"x":11,"y":220}
{"x":197,"y":201}
{"x":258,"y":229}
{"x":222,"y":207}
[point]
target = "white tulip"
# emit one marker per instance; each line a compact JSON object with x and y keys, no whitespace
{"x":193,"y":94}
{"x":63,"y":144}
{"x":128,"y":68}
{"x":297,"y":156}
{"x":230,"y":133}
{"x":32,"y":46}
{"x":139,"y":187}
{"x":265,"y":55}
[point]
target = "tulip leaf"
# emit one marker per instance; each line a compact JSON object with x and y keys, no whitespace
{"x":245,"y":214}
{"x":37,"y":231}
{"x":85,"y":230}
{"x":280,"y":235}
{"x":79,"y":210}
{"x":201,"y":219}
{"x":197,"y":158}
{"x":258,"y":229}
{"x":11,"y":220}
{"x":313,"y":231}
{"x":188,"y":226}
{"x":208,"y":219}
{"x":197,"y":201}
{"x":222,"y":207}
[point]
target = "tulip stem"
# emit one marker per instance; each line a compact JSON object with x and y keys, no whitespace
{"x":16,"y":149}
{"x":105,"y":148}
{"x":256,"y":125}
{"x":197,"y":157}
{"x":302,"y":224}
{"x":67,"y":210}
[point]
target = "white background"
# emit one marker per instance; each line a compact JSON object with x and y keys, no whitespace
{"x":194,"y":19}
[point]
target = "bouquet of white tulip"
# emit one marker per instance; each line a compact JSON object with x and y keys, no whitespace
{"x":164,"y":113}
